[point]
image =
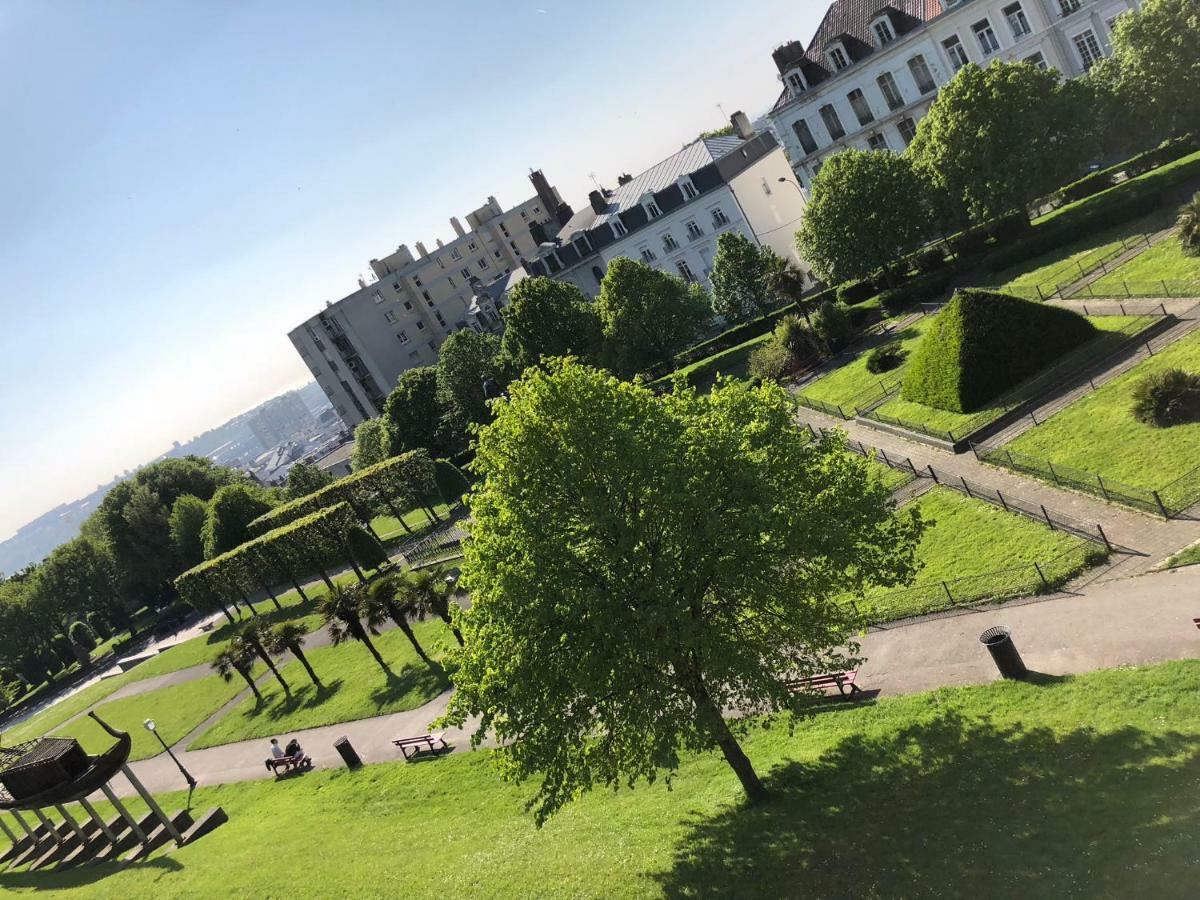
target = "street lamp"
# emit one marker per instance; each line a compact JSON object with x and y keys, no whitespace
{"x":784,"y":180}
{"x":152,"y":728}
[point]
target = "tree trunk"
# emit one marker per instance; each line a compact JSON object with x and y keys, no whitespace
{"x":353,"y":563}
{"x":270,"y":592}
{"x":714,"y":722}
{"x":396,"y":512}
{"x":366,"y":639}
{"x":325,"y":578}
{"x":224,"y":609}
{"x":266,"y":657}
{"x":299,"y":590}
{"x":402,"y":622}
{"x":253,"y":687}
{"x":445,"y":617}
{"x":299,"y":654}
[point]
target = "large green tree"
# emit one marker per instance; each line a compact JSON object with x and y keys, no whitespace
{"x":187,"y":530}
{"x":371,"y":444}
{"x":230,"y":512}
{"x":997,"y":138}
{"x":647,"y":316}
{"x":548,"y":318}
{"x":639,"y":564}
{"x":865,"y":211}
{"x":414,"y":413}
{"x":465,"y":361}
{"x":304,"y":479}
{"x":739,"y":277}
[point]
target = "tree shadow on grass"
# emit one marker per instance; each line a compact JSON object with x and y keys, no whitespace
{"x":305,"y":696}
{"x":80,"y":876}
{"x":957,"y":807}
{"x":412,"y":680}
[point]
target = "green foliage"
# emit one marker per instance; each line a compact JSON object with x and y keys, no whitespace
{"x":414,"y":414}
{"x":1168,"y":397}
{"x":465,"y":360}
{"x":304,"y":478}
{"x":548,"y":318}
{"x":371,"y":444}
{"x":96,"y":622}
{"x":930,"y":259}
{"x":738,"y":280}
{"x":60,"y":646}
{"x":186,"y":522}
{"x":452,"y":484}
{"x":983,"y":343}
{"x":885,"y":358}
{"x":365,"y":549}
{"x":831,"y":324}
{"x":230,"y":512}
{"x":865,"y":211}
{"x":791,"y":342}
{"x":1189,"y":227}
{"x":997,"y":138}
{"x":638,"y":563}
{"x":924,"y":289}
{"x":81,"y":636}
{"x":647,"y":316}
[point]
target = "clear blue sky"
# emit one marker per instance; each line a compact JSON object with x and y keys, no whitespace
{"x":185,"y":182}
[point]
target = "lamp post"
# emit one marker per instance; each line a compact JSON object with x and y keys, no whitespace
{"x":785,"y":180}
{"x":150,"y":727}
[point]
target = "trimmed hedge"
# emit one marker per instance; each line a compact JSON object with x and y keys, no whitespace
{"x":924,"y":289}
{"x":1136,"y":165}
{"x":853,"y":292}
{"x":985,"y":342}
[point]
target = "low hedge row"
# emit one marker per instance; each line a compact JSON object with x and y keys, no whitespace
{"x":1094,"y":183}
{"x":924,"y":289}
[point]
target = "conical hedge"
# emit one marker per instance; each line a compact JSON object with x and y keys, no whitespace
{"x":985,"y":342}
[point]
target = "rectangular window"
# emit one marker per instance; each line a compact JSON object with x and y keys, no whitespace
{"x":408,"y":305}
{"x":503,"y":230}
{"x":883,"y":32}
{"x":689,"y":189}
{"x":450,"y":281}
{"x":389,"y":316}
{"x":921,"y":74}
{"x":455,"y":254}
{"x":908,"y":130}
{"x":1036,"y":60}
{"x":986,"y":37}
{"x":877,"y":142}
{"x":619,"y":228}
{"x":685,"y":271}
{"x":890,"y":90}
{"x":403,"y":337}
{"x":1088,"y":47}
{"x":837,"y":56}
{"x":693,"y":230}
{"x":417,"y":280}
{"x":1066,"y":7}
{"x":465,"y":273}
{"x":796,"y":81}
{"x":862,"y":109}
{"x":956,"y":52}
{"x":669,"y":242}
{"x":805,"y":136}
{"x":832,"y":123}
{"x":524,"y":215}
{"x":428,"y":299}
{"x":1017,"y":20}
{"x":420,"y":326}
{"x":471,"y":246}
{"x":440,"y":320}
{"x":718,"y":217}
{"x":652,"y":210}
{"x":648,"y":255}
{"x":496,"y":253}
{"x":483,"y":263}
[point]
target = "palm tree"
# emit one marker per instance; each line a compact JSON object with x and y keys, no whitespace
{"x":253,"y":637}
{"x":340,"y":610}
{"x":290,"y":637}
{"x":387,"y":599}
{"x":786,"y":280}
{"x":1189,"y":226}
{"x":235,"y":658}
{"x":430,"y":590}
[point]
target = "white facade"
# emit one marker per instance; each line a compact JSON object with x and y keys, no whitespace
{"x":884,"y":89}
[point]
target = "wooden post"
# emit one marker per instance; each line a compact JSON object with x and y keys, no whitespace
{"x":966,"y":487}
{"x":1053,"y":474}
{"x":1161,"y":506}
{"x":24,"y":826}
{"x":8,"y":833}
{"x":153,"y":804}
{"x":946,"y":588}
{"x":1103,"y":489}
{"x":1002,"y":501}
{"x":933,"y":475}
{"x":100,"y":823}
{"x":71,"y":823}
{"x":54,"y":835}
{"x":1104,"y":537}
{"x":124,"y":813}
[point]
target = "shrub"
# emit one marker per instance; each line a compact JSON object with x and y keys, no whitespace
{"x":853,"y":292}
{"x":983,"y":343}
{"x":794,"y":335}
{"x":771,"y":362}
{"x":1189,"y":227}
{"x":1166,"y":398}
{"x":863,"y":316}
{"x":1008,"y":227}
{"x":832,"y":326}
{"x":885,"y":358}
{"x":98,"y":625}
{"x":925,"y":289}
{"x":367,"y":551}
{"x":790,"y":343}
{"x":930,"y":259}
{"x":61,"y":648}
{"x":81,"y":636}
{"x":971,"y":242}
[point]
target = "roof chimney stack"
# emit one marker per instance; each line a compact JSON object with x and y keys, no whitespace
{"x":624,"y":179}
{"x":741,"y":125}
{"x":421,"y":250}
{"x":599,"y":204}
{"x":457,"y":226}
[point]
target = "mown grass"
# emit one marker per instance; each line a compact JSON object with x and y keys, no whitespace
{"x":1057,"y":787}
{"x":53,"y":716}
{"x":959,"y":424}
{"x":1164,"y":261}
{"x":389,"y":528}
{"x":1098,"y":433}
{"x":353,"y":687}
{"x":1187,"y":557}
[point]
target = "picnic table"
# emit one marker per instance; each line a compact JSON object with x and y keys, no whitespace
{"x":421,"y":743}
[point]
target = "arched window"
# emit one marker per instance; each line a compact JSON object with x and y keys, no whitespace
{"x":598,"y":274}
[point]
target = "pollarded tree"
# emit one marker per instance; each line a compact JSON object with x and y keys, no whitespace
{"x":865,"y":212}
{"x":997,"y":138}
{"x":230,"y":512}
{"x":548,"y":318}
{"x":638,"y":564}
{"x":414,"y":414}
{"x":371,"y":444}
{"x":739,"y":277}
{"x":647,"y":316}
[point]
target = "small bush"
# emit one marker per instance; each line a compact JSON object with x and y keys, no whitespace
{"x":930,"y":259}
{"x":853,"y":292}
{"x":1170,"y":397}
{"x":1189,"y":227}
{"x":771,"y":362}
{"x":98,"y":625}
{"x":925,"y":289}
{"x":367,"y":551}
{"x":796,"y":337}
{"x":61,"y":648}
{"x":81,"y":636}
{"x":832,"y":326}
{"x":790,"y":343}
{"x":885,"y":359}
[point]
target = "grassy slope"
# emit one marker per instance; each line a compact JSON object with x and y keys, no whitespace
{"x":1187,"y":557}
{"x":176,"y":711}
{"x":389,"y":528}
{"x":1098,"y":433}
{"x":1164,"y":261}
{"x":1153,"y":175}
{"x":969,"y":537}
{"x":51,"y":718}
{"x":354,"y":687}
{"x":849,"y":381}
{"x":944,"y":420}
{"x":1073,"y":787}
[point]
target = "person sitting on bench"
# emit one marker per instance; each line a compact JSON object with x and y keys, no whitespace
{"x":276,"y":750}
{"x":293,"y":750}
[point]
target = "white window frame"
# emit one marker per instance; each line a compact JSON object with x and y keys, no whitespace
{"x":688,"y":188}
{"x":454,"y":253}
{"x":1069,"y":7}
{"x":900,"y":131}
{"x":1021,"y":18}
{"x":648,"y":255}
{"x":670,"y":245}
{"x":796,"y":82}
{"x":403,"y":336}
{"x":991,"y":46}
{"x":877,"y":137}
{"x":1099,"y":49}
{"x":956,"y":52}
{"x":923,"y":64}
{"x":652,"y":209}
{"x":685,"y":271}
{"x":836,"y":119}
{"x":883,"y":35}
{"x":1037,"y":60}
{"x":694,"y":231}
{"x":811,"y":137}
{"x":889,"y":89}
{"x":618,"y":228}
{"x":869,"y":117}
{"x":835,"y":53}
{"x":719,"y":219}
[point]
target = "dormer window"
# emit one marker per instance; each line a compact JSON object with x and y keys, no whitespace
{"x":618,"y":228}
{"x":651,"y":206}
{"x":837,"y":57}
{"x":796,"y":82}
{"x":882,"y":29}
{"x":689,"y":189}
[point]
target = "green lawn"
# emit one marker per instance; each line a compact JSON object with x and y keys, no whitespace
{"x":841,"y":386}
{"x":970,"y":537}
{"x":958,"y":425}
{"x":1061,"y":787}
{"x":52,"y":717}
{"x":389,"y":528}
{"x":1099,"y":434}
{"x":893,"y":479}
{"x":175,"y":710}
{"x":1144,"y":273}
{"x":1188,"y":557}
{"x":354,"y":688}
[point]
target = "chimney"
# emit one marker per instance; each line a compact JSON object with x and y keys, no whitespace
{"x":457,"y":226}
{"x":440,"y":244}
{"x":624,"y":179}
{"x":741,"y":125}
{"x":421,"y":251}
{"x":599,"y":204}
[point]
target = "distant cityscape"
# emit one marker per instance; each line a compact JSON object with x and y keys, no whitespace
{"x":266,"y":441}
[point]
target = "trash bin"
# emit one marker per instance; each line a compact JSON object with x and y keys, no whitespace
{"x":348,"y":753}
{"x":999,"y":643}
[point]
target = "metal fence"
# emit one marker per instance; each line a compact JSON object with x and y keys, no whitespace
{"x":1109,"y":289}
{"x":447,"y":538}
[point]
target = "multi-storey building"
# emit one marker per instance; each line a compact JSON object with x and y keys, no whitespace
{"x":671,"y":215}
{"x":280,"y":420}
{"x":359,"y":346}
{"x":873,"y":68}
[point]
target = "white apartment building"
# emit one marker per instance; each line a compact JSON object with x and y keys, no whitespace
{"x":357,"y":347}
{"x":671,"y":215}
{"x":873,"y":68}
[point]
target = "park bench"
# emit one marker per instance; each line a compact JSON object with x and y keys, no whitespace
{"x":285,"y":764}
{"x":839,"y":680}
{"x":1196,"y":622}
{"x":421,"y":742}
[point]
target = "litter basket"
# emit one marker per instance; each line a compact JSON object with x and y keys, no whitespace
{"x":999,"y":643}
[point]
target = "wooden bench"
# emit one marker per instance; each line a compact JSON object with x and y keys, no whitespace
{"x":286,"y":764}
{"x":839,"y":680}
{"x":430,"y":743}
{"x":1196,"y":622}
